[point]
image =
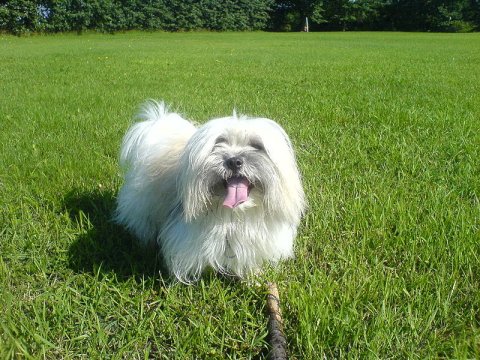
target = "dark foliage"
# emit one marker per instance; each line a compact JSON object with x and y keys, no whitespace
{"x":403,"y":15}
{"x":23,"y":16}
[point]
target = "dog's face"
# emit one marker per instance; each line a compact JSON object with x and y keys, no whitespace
{"x":240,"y":167}
{"x":239,"y":164}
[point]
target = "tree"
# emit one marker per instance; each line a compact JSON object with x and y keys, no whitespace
{"x":20,"y":16}
{"x":353,"y":14}
{"x":433,"y":15}
{"x":289,"y":15}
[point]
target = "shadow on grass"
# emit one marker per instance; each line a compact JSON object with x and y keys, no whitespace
{"x":103,"y":245}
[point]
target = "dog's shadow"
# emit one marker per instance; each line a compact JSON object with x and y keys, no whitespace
{"x":103,"y":246}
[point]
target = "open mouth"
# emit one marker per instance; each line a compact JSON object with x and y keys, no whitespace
{"x":237,"y":191}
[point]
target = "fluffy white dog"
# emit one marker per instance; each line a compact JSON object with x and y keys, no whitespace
{"x":226,"y":194}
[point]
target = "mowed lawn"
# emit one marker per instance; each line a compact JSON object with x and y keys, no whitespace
{"x":386,"y":128}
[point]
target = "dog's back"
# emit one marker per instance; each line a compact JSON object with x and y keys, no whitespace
{"x":149,"y":156}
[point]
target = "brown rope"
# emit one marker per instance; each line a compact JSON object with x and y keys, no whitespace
{"x":276,"y":337}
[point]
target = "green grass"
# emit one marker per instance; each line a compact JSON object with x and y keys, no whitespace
{"x":387,"y":132}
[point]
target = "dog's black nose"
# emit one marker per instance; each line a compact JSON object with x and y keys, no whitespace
{"x":234,"y":163}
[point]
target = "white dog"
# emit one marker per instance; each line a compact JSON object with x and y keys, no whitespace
{"x":226,"y":194}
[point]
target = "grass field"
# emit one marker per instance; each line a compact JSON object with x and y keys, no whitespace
{"x":386,"y":128}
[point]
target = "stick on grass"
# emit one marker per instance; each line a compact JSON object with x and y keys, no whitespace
{"x":276,"y":337}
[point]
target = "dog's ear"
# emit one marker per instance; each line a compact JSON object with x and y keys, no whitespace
{"x":193,"y":178}
{"x":280,"y":150}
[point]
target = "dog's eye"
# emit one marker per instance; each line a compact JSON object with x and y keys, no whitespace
{"x":257,"y":144}
{"x":221,"y":140}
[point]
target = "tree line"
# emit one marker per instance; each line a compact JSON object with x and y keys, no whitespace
{"x":24,"y":16}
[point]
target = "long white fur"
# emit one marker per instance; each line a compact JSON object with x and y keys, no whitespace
{"x":166,"y":198}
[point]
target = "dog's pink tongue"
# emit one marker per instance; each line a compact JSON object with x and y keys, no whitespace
{"x":237,"y":192}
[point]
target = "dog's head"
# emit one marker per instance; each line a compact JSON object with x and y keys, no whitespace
{"x":240,"y":163}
